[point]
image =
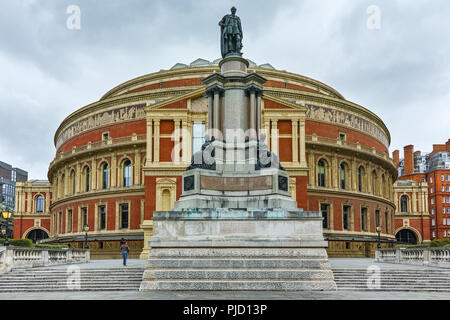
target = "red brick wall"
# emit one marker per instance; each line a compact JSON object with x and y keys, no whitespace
{"x":332,"y":131}
{"x":115,"y":131}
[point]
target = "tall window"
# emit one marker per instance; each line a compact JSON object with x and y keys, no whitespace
{"x":69,"y":221}
{"x":40,"y":204}
{"x":377,"y":218}
{"x":374,"y":182}
{"x":325,"y":208}
{"x":360,"y":178}
{"x":127,"y":173}
{"x":345,"y":217}
{"x":363,"y":219}
{"x":84,"y":217}
{"x":124,"y":216}
{"x":198,"y":136}
{"x":386,"y":219}
{"x":342,"y":175}
{"x":404,"y":203}
{"x":105,"y":176}
{"x":87,"y":175}
{"x":60,"y":223}
{"x":72,"y":179}
{"x":321,"y":173}
{"x":102,"y":217}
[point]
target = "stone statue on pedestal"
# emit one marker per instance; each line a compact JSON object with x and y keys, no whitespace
{"x":230,"y":34}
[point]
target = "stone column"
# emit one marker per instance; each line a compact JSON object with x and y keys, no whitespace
{"x":148,"y":153}
{"x":176,"y":147}
{"x":303,"y":144}
{"x":94,"y":173}
{"x":312,"y":169}
{"x":210,"y":110}
{"x":113,"y":170}
{"x":354,"y":174}
{"x":267,"y":130}
{"x":156,"y":135}
{"x":258,"y":112}
{"x":274,"y":134}
{"x":187,"y":136}
{"x":294,"y":138}
{"x":137,"y":166}
{"x":414,"y":202}
{"x":253,"y":125}
{"x":216,"y":109}
{"x":334,"y":170}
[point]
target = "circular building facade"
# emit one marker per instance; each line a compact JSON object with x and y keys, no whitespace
{"x":120,"y":158}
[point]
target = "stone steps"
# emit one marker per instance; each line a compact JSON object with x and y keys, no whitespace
{"x":236,"y":263}
{"x":418,"y":280}
{"x":57,"y":280}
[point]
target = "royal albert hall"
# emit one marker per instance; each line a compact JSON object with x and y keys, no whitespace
{"x":121,"y":158}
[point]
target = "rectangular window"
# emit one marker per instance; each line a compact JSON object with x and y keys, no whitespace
{"x":69,"y":221}
{"x":102,"y":217}
{"x":198,"y":136}
{"x":434,"y":234}
{"x":363,"y":219}
{"x":448,"y":221}
{"x":433,"y":222}
{"x":325,"y":208}
{"x":124,"y":216}
{"x":431,"y":179}
{"x":448,"y":209}
{"x":345,"y":217}
{"x":84,"y":214}
{"x":432,"y":200}
{"x":445,"y":234}
{"x":342,"y":136}
{"x":444,"y":221}
{"x":105,"y":136}
{"x":443,"y":188}
{"x":442,"y":177}
{"x":431,"y":190}
{"x":448,"y":199}
{"x":347,"y":245}
{"x":377,"y":218}
{"x":432,"y":210}
{"x":447,"y":177}
{"x":386,"y":222}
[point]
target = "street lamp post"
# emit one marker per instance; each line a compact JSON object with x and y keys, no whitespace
{"x":6,"y":215}
{"x":379,"y":237}
{"x":86,"y":229}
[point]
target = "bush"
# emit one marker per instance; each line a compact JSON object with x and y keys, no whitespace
{"x":18,"y":242}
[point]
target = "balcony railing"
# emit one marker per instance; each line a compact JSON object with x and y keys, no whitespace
{"x":349,"y":145}
{"x":21,"y":257}
{"x":438,"y":257}
{"x":100,"y":144}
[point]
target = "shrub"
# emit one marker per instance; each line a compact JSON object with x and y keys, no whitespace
{"x":19,"y":242}
{"x":58,"y":246}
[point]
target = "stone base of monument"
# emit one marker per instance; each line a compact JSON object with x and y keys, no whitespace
{"x":226,"y":249}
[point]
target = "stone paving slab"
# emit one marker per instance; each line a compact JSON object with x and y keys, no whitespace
{"x":226,"y":295}
{"x":363,"y":263}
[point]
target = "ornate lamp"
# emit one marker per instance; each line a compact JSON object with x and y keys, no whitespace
{"x":86,"y":229}
{"x":6,"y":215}
{"x":378,"y":229}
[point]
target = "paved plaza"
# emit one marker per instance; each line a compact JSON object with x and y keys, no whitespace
{"x":235,"y":295}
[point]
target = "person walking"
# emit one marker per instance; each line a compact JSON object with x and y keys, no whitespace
{"x":124,"y":249}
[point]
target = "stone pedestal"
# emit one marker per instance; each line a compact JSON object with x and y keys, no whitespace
{"x":225,"y":249}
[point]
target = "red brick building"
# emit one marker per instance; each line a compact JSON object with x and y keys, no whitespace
{"x":430,"y":171}
{"x":121,"y":158}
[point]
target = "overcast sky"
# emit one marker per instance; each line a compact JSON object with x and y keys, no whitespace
{"x":400,"y":71}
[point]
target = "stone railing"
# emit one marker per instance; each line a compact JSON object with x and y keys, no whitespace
{"x":438,"y":257}
{"x":21,"y":257}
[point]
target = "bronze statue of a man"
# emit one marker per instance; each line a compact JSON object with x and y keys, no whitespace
{"x":231,"y":34}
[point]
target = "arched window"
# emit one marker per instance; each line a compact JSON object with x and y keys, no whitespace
{"x":342,"y":174}
{"x":72,"y":179}
{"x":127,"y":173}
{"x":105,"y":176}
{"x":374,"y":182}
{"x":321,"y":179}
{"x":404,"y":203}
{"x":87,"y":174}
{"x":63,"y":183}
{"x":39,"y":204}
{"x":360,"y":178}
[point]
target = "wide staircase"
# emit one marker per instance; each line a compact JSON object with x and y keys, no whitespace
{"x":68,"y":279}
{"x":420,"y":280}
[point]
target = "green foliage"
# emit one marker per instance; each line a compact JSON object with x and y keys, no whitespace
{"x":18,"y":242}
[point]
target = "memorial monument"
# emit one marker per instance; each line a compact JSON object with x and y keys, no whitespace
{"x":235,"y":226}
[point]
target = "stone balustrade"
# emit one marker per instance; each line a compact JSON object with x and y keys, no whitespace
{"x":438,"y":257}
{"x":21,"y":257}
